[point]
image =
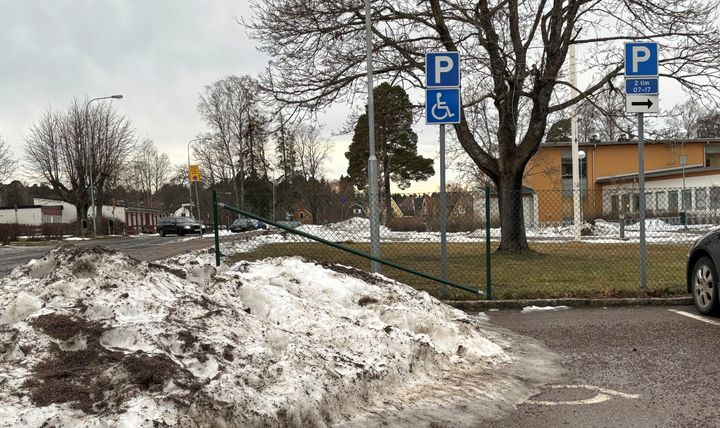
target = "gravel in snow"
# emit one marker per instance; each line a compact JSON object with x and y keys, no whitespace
{"x":90,"y":337}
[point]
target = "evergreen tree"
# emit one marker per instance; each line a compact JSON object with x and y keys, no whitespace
{"x":396,"y":145}
{"x":560,"y":132}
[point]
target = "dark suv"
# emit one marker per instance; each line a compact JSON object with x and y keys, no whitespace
{"x":178,"y":226}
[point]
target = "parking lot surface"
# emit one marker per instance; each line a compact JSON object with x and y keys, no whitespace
{"x":633,"y":366}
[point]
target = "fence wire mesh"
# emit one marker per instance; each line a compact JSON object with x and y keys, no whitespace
{"x":603,"y":261}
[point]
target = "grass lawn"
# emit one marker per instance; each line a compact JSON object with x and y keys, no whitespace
{"x":552,"y":270}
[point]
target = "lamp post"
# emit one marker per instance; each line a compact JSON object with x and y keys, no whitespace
{"x":89,"y":159}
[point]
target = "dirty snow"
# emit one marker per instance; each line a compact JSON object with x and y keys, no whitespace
{"x":528,"y":309}
{"x":104,"y":340}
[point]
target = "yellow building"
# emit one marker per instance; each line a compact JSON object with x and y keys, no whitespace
{"x":681,"y":175}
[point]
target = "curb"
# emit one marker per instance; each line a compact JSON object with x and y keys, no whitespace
{"x":467,"y":305}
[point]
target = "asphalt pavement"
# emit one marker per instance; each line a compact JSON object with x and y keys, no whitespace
{"x":625,"y":367}
{"x":145,"y":247}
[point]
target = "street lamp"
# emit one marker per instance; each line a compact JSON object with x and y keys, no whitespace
{"x":89,"y":159}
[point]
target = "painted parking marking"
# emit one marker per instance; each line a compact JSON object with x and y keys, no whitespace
{"x":696,"y":317}
{"x":603,"y":394}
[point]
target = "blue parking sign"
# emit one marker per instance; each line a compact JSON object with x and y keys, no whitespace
{"x":641,"y":59}
{"x":442,"y":69}
{"x":442,"y":106}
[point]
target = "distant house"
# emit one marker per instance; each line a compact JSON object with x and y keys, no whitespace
{"x":407,"y":205}
{"x":355,"y":210}
{"x":117,"y":218}
{"x":31,"y":215}
{"x":302,"y":215}
{"x":141,"y":219}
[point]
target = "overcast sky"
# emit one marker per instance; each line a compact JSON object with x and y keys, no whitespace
{"x":159,"y":54}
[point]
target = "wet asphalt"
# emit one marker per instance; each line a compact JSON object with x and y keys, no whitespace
{"x":665,"y":365}
{"x":148,"y":247}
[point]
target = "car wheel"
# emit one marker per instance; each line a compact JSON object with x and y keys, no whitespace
{"x":162,"y":233}
{"x":704,"y":286}
{"x":180,"y":232}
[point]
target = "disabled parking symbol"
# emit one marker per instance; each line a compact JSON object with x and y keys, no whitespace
{"x":442,"y":106}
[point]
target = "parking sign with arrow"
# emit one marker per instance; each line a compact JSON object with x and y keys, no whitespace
{"x":642,"y":104}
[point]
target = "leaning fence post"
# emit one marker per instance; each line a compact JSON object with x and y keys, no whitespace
{"x":216,"y":227}
{"x":488,"y":271}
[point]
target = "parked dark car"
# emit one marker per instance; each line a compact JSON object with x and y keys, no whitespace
{"x":178,"y":226}
{"x":702,"y":274}
{"x":244,"y":225}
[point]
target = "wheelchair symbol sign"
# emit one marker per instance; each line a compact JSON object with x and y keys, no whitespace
{"x":442,"y":106}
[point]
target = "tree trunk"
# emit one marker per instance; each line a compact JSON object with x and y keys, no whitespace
{"x":81,"y":214}
{"x":512,"y":220}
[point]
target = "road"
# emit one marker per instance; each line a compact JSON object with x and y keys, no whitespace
{"x":146,"y":247}
{"x":634,"y":367}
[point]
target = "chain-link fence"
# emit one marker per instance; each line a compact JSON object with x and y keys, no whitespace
{"x":601,"y":261}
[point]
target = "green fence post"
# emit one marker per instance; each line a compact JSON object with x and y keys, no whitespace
{"x":488,"y":271}
{"x":217,"y":228}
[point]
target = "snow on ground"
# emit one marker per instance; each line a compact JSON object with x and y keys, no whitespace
{"x":94,"y":338}
{"x":529,"y":309}
{"x":358,"y":230}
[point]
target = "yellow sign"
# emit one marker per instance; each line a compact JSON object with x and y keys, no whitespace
{"x":195,"y":173}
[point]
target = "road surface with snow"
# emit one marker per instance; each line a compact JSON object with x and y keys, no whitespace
{"x":625,"y":367}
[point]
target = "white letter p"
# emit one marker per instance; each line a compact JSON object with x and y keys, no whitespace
{"x":639,"y":54}
{"x":443,"y":64}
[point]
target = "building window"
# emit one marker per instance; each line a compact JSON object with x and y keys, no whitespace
{"x":700,"y":199}
{"x":649,"y":201}
{"x":715,"y":198}
{"x":712,"y":155}
{"x":614,"y":204}
{"x":51,"y":219}
{"x":687,"y":199}
{"x":566,"y":169}
{"x":636,"y":202}
{"x":673,"y":200}
{"x":625,"y":203}
{"x":660,"y":201}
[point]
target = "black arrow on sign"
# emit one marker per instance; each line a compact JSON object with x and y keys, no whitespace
{"x":647,"y":103}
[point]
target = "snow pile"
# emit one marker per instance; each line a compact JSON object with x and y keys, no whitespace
{"x":104,"y":340}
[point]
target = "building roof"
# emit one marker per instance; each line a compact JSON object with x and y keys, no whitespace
{"x":706,"y":141}
{"x":690,"y":170}
{"x":23,"y":207}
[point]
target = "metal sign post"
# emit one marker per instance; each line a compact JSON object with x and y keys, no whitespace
{"x":443,"y":215}
{"x":641,"y":190}
{"x":442,"y":106}
{"x":642,"y":96}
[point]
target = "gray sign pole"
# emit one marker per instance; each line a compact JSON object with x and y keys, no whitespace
{"x":641,"y":190}
{"x":443,"y":214}
{"x":373,"y":193}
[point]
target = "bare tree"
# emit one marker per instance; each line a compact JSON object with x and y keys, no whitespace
{"x":312,"y":154}
{"x":7,"y":164}
{"x":63,"y":148}
{"x":513,"y":55}
{"x":312,"y":151}
{"x":149,"y":169}
{"x":231,"y":108}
